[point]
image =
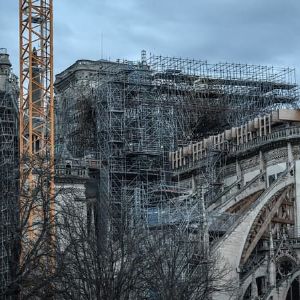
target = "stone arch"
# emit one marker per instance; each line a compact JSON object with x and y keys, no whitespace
{"x":261,"y":271}
{"x":247,"y":294}
{"x":241,"y":230}
{"x":260,"y":285}
{"x":236,"y":237}
{"x":294,"y":290}
{"x":263,"y":219}
{"x":68,"y":169}
{"x":285,"y":285}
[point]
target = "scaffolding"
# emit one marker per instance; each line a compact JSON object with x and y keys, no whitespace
{"x":8,"y":170}
{"x":135,"y":134}
{"x":143,"y":110}
{"x":214,"y":97}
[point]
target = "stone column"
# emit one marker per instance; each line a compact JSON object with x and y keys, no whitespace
{"x":297,"y":198}
{"x":262,"y":167}
{"x":254,"y":291}
{"x":290,"y":154}
{"x":239,"y":171}
{"x":272,"y":265}
{"x":194,"y":184}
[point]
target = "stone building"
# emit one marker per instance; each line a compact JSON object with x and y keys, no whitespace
{"x":166,"y":134}
{"x":254,"y":218}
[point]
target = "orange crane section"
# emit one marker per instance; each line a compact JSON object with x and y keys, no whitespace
{"x":36,"y":107}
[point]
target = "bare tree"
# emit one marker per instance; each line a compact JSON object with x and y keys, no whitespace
{"x":133,"y":261}
{"x":31,"y":245}
{"x":178,"y":265}
{"x":92,"y":258}
{"x":100,"y":262}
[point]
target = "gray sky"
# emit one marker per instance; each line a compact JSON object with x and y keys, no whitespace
{"x":252,"y":31}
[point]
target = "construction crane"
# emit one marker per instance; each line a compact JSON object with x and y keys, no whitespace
{"x":36,"y":110}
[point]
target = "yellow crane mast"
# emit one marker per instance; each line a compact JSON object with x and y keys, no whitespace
{"x":36,"y":110}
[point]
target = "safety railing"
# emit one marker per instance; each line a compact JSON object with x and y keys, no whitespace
{"x":224,"y":202}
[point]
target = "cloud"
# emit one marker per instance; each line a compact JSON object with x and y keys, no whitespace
{"x":255,"y":31}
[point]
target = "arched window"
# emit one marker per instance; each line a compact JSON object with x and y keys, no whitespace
{"x":68,"y":169}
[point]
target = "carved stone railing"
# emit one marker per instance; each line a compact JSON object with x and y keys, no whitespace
{"x":235,"y":150}
{"x":283,"y":134}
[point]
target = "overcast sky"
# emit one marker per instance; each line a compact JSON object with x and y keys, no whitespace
{"x":252,"y":31}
